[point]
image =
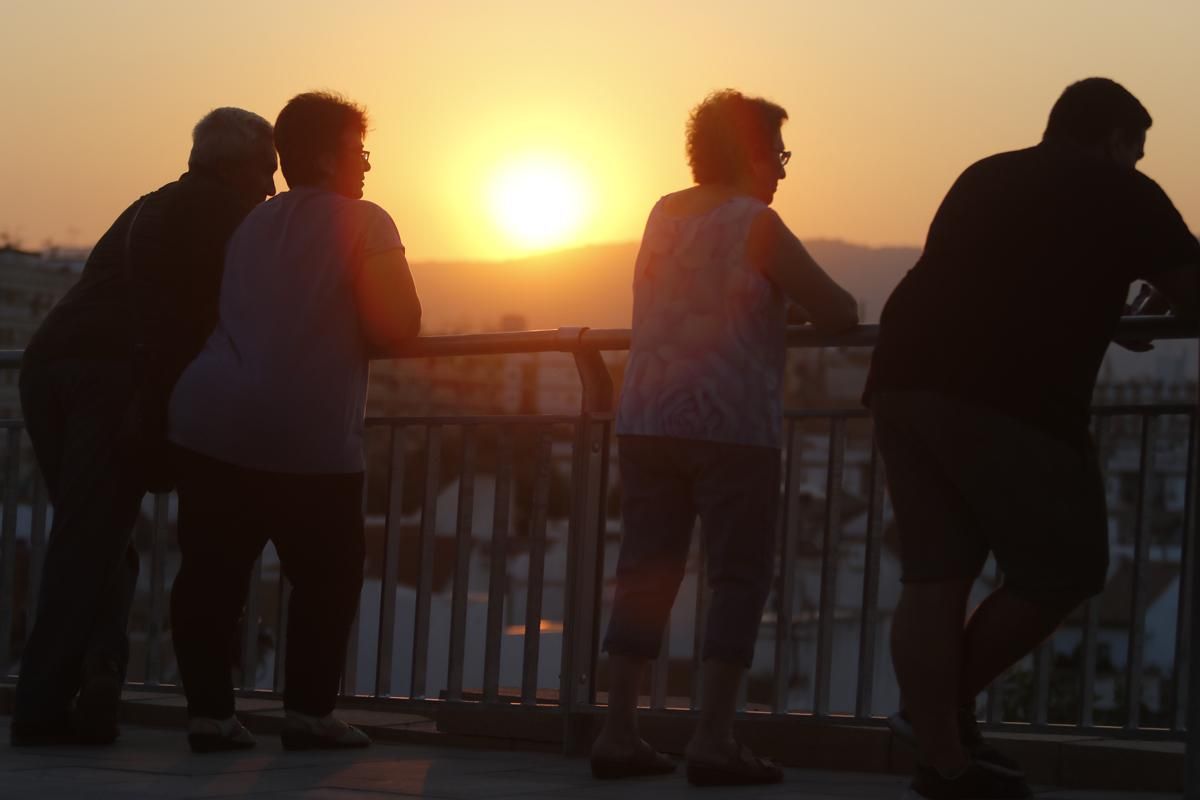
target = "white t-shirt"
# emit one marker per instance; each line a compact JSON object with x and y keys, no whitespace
{"x":281,"y":384}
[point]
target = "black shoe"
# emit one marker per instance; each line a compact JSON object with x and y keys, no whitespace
{"x":979,"y":781}
{"x":970,"y":736}
{"x":97,"y":707}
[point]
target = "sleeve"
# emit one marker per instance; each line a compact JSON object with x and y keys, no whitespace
{"x":1162,"y":241}
{"x":379,"y":232}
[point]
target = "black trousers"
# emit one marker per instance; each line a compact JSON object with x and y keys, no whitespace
{"x":227,"y":514}
{"x":74,"y":411}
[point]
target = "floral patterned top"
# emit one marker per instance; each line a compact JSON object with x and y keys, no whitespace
{"x":707,"y":356}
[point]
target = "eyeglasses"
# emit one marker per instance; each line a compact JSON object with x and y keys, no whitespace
{"x":784,"y":157}
{"x":366,"y":156}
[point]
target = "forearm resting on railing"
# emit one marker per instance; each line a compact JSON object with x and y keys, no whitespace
{"x":387,"y":302}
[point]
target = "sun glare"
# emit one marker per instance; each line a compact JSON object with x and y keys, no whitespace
{"x":538,"y":201}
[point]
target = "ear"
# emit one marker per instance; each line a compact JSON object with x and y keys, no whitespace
{"x":328,"y":164}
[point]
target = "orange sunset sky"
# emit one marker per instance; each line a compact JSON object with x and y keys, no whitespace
{"x":504,"y":128}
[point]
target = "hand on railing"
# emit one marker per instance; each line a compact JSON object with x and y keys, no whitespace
{"x":1148,"y":302}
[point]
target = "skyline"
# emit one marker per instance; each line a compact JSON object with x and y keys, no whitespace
{"x":887,"y":104}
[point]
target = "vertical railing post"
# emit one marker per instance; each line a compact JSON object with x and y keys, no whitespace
{"x":425,"y":550}
{"x":37,"y":544}
{"x":158,"y":593}
{"x":1192,"y":753}
{"x":393,"y":530}
{"x":785,"y":593}
{"x":8,"y":544}
{"x":586,"y":539}
{"x":872,"y":554}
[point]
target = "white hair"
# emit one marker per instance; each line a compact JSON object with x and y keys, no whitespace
{"x":227,"y":135}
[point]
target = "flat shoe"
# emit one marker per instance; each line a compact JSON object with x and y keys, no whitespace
{"x":740,"y":769}
{"x":640,"y":764}
{"x":301,"y":739}
{"x":213,"y":741}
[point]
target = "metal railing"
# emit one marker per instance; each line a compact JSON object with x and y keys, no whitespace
{"x":804,"y":623}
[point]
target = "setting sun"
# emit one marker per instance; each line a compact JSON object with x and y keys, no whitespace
{"x":538,"y":201}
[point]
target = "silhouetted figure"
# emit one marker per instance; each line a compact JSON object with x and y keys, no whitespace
{"x":980,"y":387}
{"x":142,"y":308}
{"x":700,"y":426}
{"x":269,"y":425}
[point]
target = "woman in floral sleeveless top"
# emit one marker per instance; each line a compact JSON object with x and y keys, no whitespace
{"x":699,"y":425}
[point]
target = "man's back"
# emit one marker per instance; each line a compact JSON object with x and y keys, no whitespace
{"x":1022,"y":281}
{"x":155,"y":282}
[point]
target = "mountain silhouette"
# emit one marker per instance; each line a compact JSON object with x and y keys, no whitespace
{"x":592,"y":285}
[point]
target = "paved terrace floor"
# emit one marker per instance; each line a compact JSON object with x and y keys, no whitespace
{"x":152,"y":762}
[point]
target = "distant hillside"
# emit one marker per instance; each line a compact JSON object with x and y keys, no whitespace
{"x":592,"y":285}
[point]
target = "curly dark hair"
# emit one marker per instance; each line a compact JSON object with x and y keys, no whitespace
{"x":1090,"y":110}
{"x":728,"y":130}
{"x":309,"y":126}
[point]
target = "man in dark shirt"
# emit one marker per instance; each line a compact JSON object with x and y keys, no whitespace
{"x":143,"y":307}
{"x":980,"y":387}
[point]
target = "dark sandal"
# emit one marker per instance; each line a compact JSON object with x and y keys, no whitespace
{"x":740,"y":769}
{"x":640,"y":764}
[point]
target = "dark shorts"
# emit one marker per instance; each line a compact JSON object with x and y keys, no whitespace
{"x":666,"y":483}
{"x":966,"y":481}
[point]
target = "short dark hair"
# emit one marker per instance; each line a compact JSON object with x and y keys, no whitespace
{"x":1090,"y":110}
{"x":311,"y":125}
{"x":726,"y":131}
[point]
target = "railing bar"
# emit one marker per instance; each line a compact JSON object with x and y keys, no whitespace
{"x":420,"y":651}
{"x":285,"y":598}
{"x":37,"y":543}
{"x":660,"y":672}
{"x":1087,"y":689}
{"x":1091,"y":608}
{"x":537,"y":556}
{"x":497,"y":582}
{"x":462,"y":565}
{"x":585,"y":569}
{"x":499,"y":420}
{"x":699,"y":620}
{"x":995,"y":689}
{"x":1187,"y":581}
{"x":1043,"y":658}
{"x":872,"y":557}
{"x":250,"y":629}
{"x":8,"y":541}
{"x":829,"y":559}
{"x":350,"y":665}
{"x":788,"y":532}
{"x":389,"y":574}
{"x":353,"y":640}
{"x":1137,"y":601}
{"x":158,"y":594}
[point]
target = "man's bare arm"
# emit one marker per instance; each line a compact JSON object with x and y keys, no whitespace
{"x":387,"y":302}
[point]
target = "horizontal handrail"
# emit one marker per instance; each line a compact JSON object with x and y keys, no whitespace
{"x":575,"y":339}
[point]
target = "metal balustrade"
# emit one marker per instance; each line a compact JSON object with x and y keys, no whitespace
{"x":580,"y":564}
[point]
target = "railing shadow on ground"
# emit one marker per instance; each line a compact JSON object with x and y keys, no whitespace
{"x":502,"y":613}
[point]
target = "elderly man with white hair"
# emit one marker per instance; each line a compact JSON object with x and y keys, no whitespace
{"x":94,"y":383}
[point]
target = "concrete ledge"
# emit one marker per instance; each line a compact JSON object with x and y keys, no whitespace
{"x":1049,"y":759}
